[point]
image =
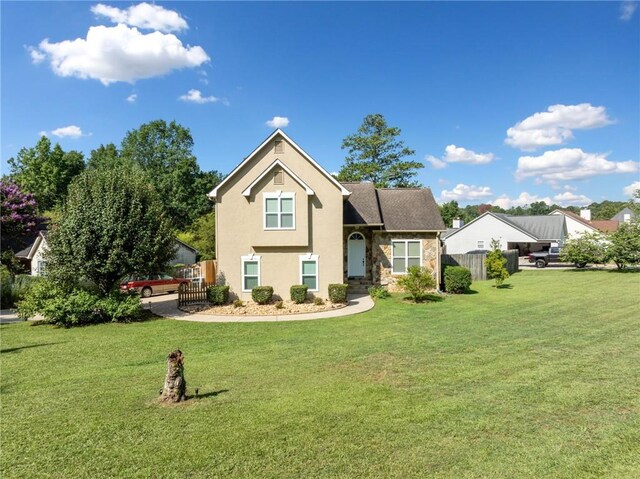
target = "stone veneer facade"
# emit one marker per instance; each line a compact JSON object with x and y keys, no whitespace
{"x":382,"y":256}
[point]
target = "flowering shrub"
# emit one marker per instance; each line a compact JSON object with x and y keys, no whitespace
{"x":18,"y":212}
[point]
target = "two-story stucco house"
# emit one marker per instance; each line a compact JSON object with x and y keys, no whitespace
{"x":282,"y":219}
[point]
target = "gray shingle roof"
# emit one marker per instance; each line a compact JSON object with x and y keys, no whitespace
{"x":548,"y":227}
{"x":362,"y":206}
{"x":409,"y":209}
{"x":398,"y":209}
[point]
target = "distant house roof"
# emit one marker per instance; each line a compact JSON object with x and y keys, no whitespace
{"x":32,"y":247}
{"x":396,"y":209}
{"x":606,"y":226}
{"x":625,"y":211}
{"x":539,"y":228}
{"x":542,"y":227}
{"x":575,"y":216}
{"x":547,"y":227}
{"x":187,"y":246}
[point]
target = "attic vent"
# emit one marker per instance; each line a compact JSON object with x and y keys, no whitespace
{"x":279,"y":147}
{"x":278,"y":178}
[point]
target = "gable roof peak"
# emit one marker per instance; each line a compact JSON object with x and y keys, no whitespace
{"x":214,"y":193}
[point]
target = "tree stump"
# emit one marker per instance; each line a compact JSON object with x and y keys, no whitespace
{"x":175,"y":385}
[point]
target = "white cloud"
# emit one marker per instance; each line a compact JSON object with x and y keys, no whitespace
{"x":120,"y":53}
{"x":522,"y":200}
{"x":554,"y":126}
{"x":457,"y":154}
{"x":631,"y":189}
{"x":466,"y":192}
{"x":71,"y":131}
{"x":570,"y":164}
{"x":627,"y":10}
{"x":278,"y":122}
{"x":195,"y":96}
{"x":563,"y":199}
{"x":570,"y":199}
{"x":143,"y":15}
{"x":132,"y":98}
{"x":436,"y":163}
{"x":36,"y":55}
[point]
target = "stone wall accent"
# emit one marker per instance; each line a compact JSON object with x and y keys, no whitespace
{"x":382,"y":271}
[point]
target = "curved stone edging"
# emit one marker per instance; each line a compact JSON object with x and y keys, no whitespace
{"x":167,"y":307}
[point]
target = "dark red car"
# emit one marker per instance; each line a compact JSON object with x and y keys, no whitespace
{"x":152,"y":284}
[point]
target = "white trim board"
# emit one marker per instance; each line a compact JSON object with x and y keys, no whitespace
{"x":307,"y":188}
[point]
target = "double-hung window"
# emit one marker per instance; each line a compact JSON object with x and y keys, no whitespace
{"x":279,"y":211}
{"x":250,"y":272}
{"x":309,"y":271}
{"x":480,"y":244}
{"x":405,"y":253}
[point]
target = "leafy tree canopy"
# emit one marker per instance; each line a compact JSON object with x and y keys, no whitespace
{"x":201,"y":235}
{"x":113,"y":224}
{"x":46,"y":172}
{"x":164,"y":150}
{"x":624,"y":246}
{"x":376,"y":154}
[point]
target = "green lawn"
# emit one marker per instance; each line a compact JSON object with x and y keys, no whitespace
{"x":540,"y":380}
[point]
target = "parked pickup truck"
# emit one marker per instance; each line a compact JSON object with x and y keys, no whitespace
{"x":543,"y":258}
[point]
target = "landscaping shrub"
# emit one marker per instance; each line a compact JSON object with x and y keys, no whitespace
{"x":218,"y":294}
{"x":457,"y":279}
{"x":417,"y":282}
{"x":119,"y":308}
{"x":238,"y":303}
{"x":318,"y":301}
{"x":14,"y":288}
{"x":379,"y":292}
{"x":298,"y":293}
{"x":78,"y":307}
{"x":262,"y":294}
{"x":280,"y":304}
{"x":495,"y":263}
{"x":338,"y":293}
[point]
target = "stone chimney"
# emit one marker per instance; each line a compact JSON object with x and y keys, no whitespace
{"x":585,"y":214}
{"x":458,"y":223}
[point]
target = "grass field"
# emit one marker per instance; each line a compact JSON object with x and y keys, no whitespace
{"x":539,"y":380}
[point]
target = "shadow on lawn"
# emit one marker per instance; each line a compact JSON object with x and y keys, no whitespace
{"x":20,"y":348}
{"x":208,"y":395}
{"x":505,"y":286}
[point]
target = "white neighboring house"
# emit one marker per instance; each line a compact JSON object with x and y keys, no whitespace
{"x":33,"y":255}
{"x":577,"y":225}
{"x":524,"y":233}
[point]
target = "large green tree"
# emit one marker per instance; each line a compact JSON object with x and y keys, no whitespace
{"x":624,"y":245}
{"x":113,"y":224}
{"x":376,"y":154}
{"x":46,"y":172}
{"x":164,"y":150}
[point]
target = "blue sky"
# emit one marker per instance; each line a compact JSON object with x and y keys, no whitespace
{"x":503,"y":102}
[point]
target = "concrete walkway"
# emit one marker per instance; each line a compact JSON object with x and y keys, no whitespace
{"x":167,"y":306}
{"x":8,"y":316}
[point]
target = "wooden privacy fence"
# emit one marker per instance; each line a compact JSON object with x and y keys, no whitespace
{"x":193,"y":293}
{"x":475,"y":263}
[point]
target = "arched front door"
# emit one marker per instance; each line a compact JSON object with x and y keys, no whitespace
{"x":356,"y":247}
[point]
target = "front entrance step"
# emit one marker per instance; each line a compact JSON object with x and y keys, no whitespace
{"x":359,"y":286}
